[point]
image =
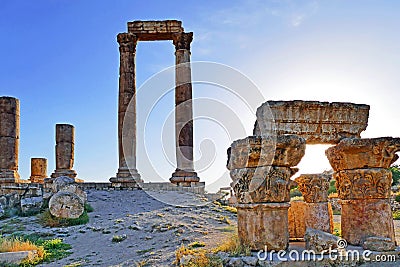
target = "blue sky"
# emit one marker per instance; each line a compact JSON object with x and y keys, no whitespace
{"x":60,"y":58}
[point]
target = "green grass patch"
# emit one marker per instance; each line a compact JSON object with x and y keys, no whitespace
{"x":46,"y":219}
{"x":48,"y":250}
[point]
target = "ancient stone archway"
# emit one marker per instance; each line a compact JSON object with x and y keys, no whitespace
{"x":184,"y":174}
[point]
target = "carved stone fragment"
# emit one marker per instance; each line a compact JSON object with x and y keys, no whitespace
{"x":352,"y":153}
{"x":255,"y":151}
{"x":317,"y":122}
{"x":262,"y":184}
{"x":313,"y":187}
{"x":363,"y":183}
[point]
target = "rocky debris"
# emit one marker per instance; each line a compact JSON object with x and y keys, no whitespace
{"x":31,"y":205}
{"x":317,"y":122}
{"x":66,"y":205}
{"x":60,"y":182}
{"x":319,"y":241}
{"x":2,"y":211}
{"x":376,"y":243}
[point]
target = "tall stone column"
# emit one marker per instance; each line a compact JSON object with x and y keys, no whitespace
{"x":127,"y":172}
{"x":184,"y":174}
{"x":363,"y":182}
{"x":65,"y":140}
{"x":38,"y":170}
{"x":260,"y":168}
{"x":9,"y":139}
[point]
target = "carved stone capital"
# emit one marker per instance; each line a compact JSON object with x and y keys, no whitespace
{"x":254,"y":151}
{"x":262,"y":184}
{"x":127,"y":42}
{"x":354,"y":153}
{"x":363,"y":183}
{"x":314,"y":187}
{"x":182,"y":40}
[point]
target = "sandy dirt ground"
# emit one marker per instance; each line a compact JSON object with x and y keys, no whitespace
{"x":153,"y":229}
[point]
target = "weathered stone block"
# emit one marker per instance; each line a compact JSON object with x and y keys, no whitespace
{"x":319,"y":216}
{"x":255,"y":151}
{"x":319,"y":241}
{"x":297,"y":222}
{"x":264,"y":224}
{"x":9,"y":105}
{"x":363,"y":183}
{"x":352,"y":153}
{"x":155,"y":30}
{"x":262,"y":184}
{"x":9,"y":153}
{"x":9,"y":125}
{"x":38,"y":170}
{"x":65,"y":133}
{"x":64,"y":155}
{"x":363,"y":218}
{"x":314,"y":187}
{"x":317,"y":122}
{"x":376,"y":243}
{"x":66,"y":205}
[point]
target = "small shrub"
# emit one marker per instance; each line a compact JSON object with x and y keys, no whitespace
{"x":198,"y":258}
{"x":232,"y":246}
{"x":396,"y":215}
{"x":118,"y":238}
{"x":395,"y":174}
{"x":297,"y":198}
{"x":336,"y":212}
{"x":295,"y":192}
{"x":337,"y":230}
{"x":230,"y":209}
{"x":88,"y":208}
{"x":397,"y":198}
{"x":332,"y":187}
{"x":197,"y":244}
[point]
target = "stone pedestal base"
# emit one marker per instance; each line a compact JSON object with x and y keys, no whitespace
{"x":63,"y":172}
{"x":184,"y":178}
{"x":364,"y":218}
{"x":126,"y":178}
{"x":263,"y":224}
{"x":37,"y":179}
{"x":9,"y":176}
{"x":319,"y":216}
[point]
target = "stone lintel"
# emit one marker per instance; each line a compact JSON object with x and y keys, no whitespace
{"x":155,"y":30}
{"x":318,"y":122}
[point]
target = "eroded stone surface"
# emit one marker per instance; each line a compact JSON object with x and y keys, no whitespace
{"x":364,"y":218}
{"x":255,"y":151}
{"x":319,"y":241}
{"x":66,"y":205}
{"x":9,"y":139}
{"x":155,"y":30}
{"x":317,"y":122}
{"x":376,"y":243}
{"x":319,"y":216}
{"x":261,"y":225}
{"x":314,"y":187}
{"x":297,"y":223}
{"x":262,"y":184}
{"x":363,"y":183}
{"x":38,"y":170}
{"x":353,"y":153}
{"x":64,"y":151}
